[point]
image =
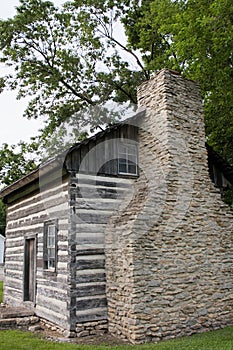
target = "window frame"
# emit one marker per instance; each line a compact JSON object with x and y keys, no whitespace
{"x":126,"y":156}
{"x":46,"y":256}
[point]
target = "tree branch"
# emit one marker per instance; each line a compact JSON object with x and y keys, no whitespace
{"x":55,"y":72}
{"x":81,"y":96}
{"x":109,"y":36}
{"x":146,"y":73}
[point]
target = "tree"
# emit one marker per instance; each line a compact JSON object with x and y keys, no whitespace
{"x":67,"y":61}
{"x":71,"y":61}
{"x":194,"y":37}
{"x":15,"y":161}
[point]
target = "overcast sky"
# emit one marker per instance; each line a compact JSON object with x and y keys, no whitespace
{"x":13,"y":126}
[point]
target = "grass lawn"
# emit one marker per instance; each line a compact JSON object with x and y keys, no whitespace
{"x":216,"y":340}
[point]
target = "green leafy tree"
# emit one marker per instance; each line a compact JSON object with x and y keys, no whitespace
{"x":194,"y":37}
{"x":15,"y":161}
{"x":67,"y":61}
{"x":71,"y":60}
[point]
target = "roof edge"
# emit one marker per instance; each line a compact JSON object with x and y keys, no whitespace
{"x":34,"y":175}
{"x":58,"y":161}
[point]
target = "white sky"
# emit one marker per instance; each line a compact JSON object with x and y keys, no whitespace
{"x":13,"y":126}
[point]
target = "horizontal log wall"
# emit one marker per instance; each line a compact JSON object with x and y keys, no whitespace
{"x":26,"y":217}
{"x":94,"y":199}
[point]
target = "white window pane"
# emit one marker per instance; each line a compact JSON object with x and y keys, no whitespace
{"x":51,"y":236}
{"x":51,"y":229}
{"x":50,"y":247}
{"x":51,"y":253}
{"x":127,"y":161}
{"x":51,"y":241}
{"x":132,"y":158}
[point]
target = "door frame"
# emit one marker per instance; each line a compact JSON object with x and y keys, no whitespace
{"x":27,"y":239}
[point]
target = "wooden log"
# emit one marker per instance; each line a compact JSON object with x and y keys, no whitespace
{"x":90,"y":289}
{"x":91,"y":303}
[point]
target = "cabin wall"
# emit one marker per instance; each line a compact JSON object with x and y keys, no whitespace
{"x":147,"y":257}
{"x":169,"y":258}
{"x":94,"y":199}
{"x":25,"y":220}
{"x":2,"y":245}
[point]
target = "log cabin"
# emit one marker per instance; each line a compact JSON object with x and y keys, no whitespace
{"x":126,"y":232}
{"x":2,"y":245}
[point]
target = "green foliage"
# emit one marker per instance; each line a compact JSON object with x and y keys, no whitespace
{"x":26,"y":341}
{"x":228,"y":197}
{"x":14,"y":161}
{"x":66,"y":60}
{"x":77,"y":69}
{"x":196,"y":38}
{"x":216,"y":340}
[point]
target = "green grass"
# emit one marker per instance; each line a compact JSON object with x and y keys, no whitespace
{"x":1,"y":291}
{"x":216,"y":340}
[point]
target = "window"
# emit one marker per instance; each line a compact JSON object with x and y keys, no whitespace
{"x":127,"y":161}
{"x":50,"y":245}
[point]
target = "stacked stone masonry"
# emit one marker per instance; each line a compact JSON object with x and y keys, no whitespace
{"x":97,"y":328}
{"x":170,"y":265}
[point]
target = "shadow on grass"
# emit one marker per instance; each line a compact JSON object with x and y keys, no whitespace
{"x":214,"y":340}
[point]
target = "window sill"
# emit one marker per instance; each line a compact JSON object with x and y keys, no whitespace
{"x":128,"y":175}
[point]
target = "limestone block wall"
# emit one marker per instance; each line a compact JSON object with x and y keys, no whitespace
{"x":169,"y":255}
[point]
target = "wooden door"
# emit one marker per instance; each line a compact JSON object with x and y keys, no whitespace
{"x":29,"y":270}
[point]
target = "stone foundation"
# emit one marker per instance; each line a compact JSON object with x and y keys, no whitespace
{"x":54,"y":328}
{"x":92,"y":328}
{"x":95,"y":328}
{"x":19,"y":322}
{"x":16,"y":317}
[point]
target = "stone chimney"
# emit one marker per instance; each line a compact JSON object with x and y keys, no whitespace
{"x":169,"y":271}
